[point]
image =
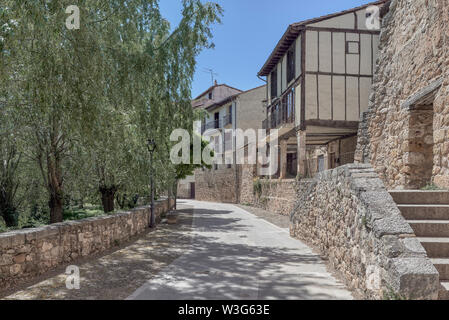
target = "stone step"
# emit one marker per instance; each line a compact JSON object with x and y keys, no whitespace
{"x":430,"y":228}
{"x":442,"y":265}
{"x":444,"y":292}
{"x":436,"y":247}
{"x":420,"y":197}
{"x":425,"y":211}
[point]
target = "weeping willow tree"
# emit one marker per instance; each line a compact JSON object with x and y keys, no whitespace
{"x":103,"y":89}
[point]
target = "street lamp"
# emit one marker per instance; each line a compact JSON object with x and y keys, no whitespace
{"x":151,"y":149}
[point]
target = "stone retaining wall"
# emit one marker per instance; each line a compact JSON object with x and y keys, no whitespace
{"x":25,"y":254}
{"x":278,"y":196}
{"x":348,"y":215}
{"x":217,"y":185}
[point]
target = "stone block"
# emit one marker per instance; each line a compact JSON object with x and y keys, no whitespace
{"x":392,"y":225}
{"x":414,"y":278}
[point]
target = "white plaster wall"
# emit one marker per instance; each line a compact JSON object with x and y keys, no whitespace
{"x":345,"y":21}
{"x":339,"y":97}
{"x":298,"y":105}
{"x":298,"y":56}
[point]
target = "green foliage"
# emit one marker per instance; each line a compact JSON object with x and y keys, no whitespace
{"x":257,"y":187}
{"x":81,"y":104}
{"x":89,"y":211}
{"x":185,"y":170}
{"x":431,"y":187}
{"x":390,"y":294}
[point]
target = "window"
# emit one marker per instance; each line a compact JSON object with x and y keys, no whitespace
{"x":217,"y":120}
{"x":320,"y":163}
{"x":352,"y":47}
{"x":215,"y":141}
{"x":210,"y":95}
{"x":288,"y":107}
{"x":228,"y":140}
{"x":274,"y":83}
{"x":332,"y":161}
{"x":291,"y":64}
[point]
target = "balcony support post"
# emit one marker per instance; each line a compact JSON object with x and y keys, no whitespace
{"x":283,"y":174}
{"x":301,"y":137}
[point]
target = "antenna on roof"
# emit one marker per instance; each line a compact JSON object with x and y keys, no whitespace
{"x":212,"y":74}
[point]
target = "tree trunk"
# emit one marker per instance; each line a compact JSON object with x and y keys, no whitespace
{"x":56,"y":207}
{"x":56,"y":201}
{"x":107,"y":198}
{"x":10,"y":216}
{"x":176,"y":194}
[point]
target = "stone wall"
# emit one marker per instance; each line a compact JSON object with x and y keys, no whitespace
{"x":277,"y":196}
{"x":184,"y":187}
{"x":348,"y":215}
{"x":217,"y":185}
{"x":412,"y":74}
{"x":248,"y":174}
{"x":25,"y":254}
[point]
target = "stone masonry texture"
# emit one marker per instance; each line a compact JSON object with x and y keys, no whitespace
{"x":408,"y":145}
{"x":277,"y":196}
{"x":25,"y":254}
{"x":348,"y":215}
{"x":217,"y":185}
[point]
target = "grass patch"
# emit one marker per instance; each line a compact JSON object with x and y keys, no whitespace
{"x":89,"y":211}
{"x":431,"y":187}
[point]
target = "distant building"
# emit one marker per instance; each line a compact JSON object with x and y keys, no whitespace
{"x":216,"y":94}
{"x":244,"y":110}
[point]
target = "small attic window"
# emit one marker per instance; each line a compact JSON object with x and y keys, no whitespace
{"x":352,"y":47}
{"x":210,"y":95}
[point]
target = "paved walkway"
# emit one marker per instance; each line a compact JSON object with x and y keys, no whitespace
{"x":216,"y":251}
{"x":237,"y":255}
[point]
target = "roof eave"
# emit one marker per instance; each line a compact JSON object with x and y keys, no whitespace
{"x":269,"y":65}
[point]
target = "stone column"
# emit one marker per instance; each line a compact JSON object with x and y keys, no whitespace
{"x":283,"y":174}
{"x":301,"y":136}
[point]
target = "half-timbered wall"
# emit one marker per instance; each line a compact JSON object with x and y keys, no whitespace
{"x":339,"y":69}
{"x":282,"y":84}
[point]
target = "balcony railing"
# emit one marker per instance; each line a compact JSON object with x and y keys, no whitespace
{"x":282,"y":114}
{"x":227,"y":120}
{"x":215,"y":124}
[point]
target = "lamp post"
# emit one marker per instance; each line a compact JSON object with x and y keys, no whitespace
{"x":151,"y":149}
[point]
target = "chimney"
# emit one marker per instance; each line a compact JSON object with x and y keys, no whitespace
{"x":215,"y":83}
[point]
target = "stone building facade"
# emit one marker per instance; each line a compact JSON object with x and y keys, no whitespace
{"x":405,"y":133}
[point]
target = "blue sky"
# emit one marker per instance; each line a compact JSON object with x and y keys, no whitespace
{"x":249,"y":31}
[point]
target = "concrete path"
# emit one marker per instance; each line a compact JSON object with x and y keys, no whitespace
{"x":237,"y":255}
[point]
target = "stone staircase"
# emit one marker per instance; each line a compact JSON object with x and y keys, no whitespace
{"x":428,"y":215}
